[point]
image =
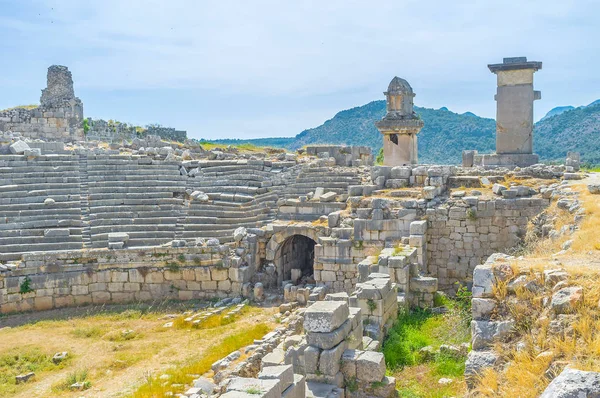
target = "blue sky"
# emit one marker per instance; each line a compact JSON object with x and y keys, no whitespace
{"x":247,"y":69}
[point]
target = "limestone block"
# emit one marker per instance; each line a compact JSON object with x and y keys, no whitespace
{"x":311,"y":359}
{"x":297,"y":389}
{"x":325,"y":316}
{"x":423,"y":284}
{"x":275,"y":358}
{"x":573,"y":383}
{"x":418,"y":227}
{"x":263,"y":388}
{"x":329,"y":361}
{"x":370,"y":366}
{"x":348,"y":367}
{"x":19,"y":147}
{"x":331,"y":339}
{"x":118,"y":237}
{"x":328,"y":197}
{"x":430,"y":192}
{"x":477,"y":362}
{"x":283,"y":373}
{"x":482,"y":308}
{"x":219,"y":274}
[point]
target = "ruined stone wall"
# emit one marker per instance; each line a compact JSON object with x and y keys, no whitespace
{"x":59,"y":121}
{"x":461,"y":234}
{"x":60,"y":279}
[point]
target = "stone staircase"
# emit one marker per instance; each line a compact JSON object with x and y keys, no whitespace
{"x":85,"y":204}
{"x":40,"y":204}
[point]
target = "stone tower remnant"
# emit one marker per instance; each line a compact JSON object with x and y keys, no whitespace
{"x":400,"y":125}
{"x":514,"y":113}
{"x":59,"y":87}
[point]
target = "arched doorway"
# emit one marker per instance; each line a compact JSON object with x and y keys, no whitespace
{"x":299,"y":251}
{"x":297,"y":256}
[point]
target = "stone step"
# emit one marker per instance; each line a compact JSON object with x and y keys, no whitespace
{"x":138,"y":183}
{"x":6,"y":209}
{"x":145,"y":195}
{"x":44,"y":223}
{"x":37,"y":186}
{"x":193,"y":222}
{"x":41,"y":247}
{"x":193,"y":214}
{"x":33,"y":232}
{"x":24,"y":241}
{"x":37,"y":192}
{"x":135,"y":221}
{"x":135,"y":234}
{"x":38,"y":199}
{"x":123,"y":213}
{"x":150,"y":228}
{"x":134,"y":189}
{"x":135,"y":202}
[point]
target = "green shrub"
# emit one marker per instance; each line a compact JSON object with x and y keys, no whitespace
{"x":25,"y":286}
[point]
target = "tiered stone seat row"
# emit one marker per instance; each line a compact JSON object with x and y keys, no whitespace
{"x":312,"y":177}
{"x":132,"y":196}
{"x":39,"y":204}
{"x":238,"y":196}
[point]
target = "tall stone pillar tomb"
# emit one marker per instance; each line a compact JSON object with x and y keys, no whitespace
{"x":400,"y":125}
{"x":514,"y":109}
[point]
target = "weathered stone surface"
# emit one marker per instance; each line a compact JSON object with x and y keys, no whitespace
{"x":566,"y":300}
{"x":19,"y":147}
{"x":573,"y":383}
{"x":325,"y":316}
{"x":482,"y":308}
{"x":370,"y":366}
{"x":477,"y":362}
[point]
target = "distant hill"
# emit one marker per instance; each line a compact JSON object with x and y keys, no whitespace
{"x":442,"y":139}
{"x":446,"y":134}
{"x":576,"y":130}
{"x":557,"y":111}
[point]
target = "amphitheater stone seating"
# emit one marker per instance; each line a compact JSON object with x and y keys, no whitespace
{"x":39,"y":204}
{"x":126,"y":194}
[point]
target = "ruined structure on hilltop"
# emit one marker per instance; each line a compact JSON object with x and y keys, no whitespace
{"x":400,"y":125}
{"x":58,"y":118}
{"x":514,"y":115}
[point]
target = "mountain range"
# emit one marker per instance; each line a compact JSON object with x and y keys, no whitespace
{"x":446,"y":134}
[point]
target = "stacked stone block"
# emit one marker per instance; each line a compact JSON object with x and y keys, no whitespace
{"x":334,"y":266}
{"x":433,"y":179}
{"x":364,"y":372}
{"x":462,"y":233}
{"x":327,"y":325}
{"x":343,"y":155}
{"x":378,"y":300}
{"x":68,"y":278}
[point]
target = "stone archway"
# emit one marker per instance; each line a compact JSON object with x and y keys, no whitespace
{"x":292,"y":248}
{"x":297,"y":256}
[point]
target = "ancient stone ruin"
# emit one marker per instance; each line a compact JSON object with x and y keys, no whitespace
{"x":400,"y":125}
{"x":343,"y":244}
{"x":514,"y":115}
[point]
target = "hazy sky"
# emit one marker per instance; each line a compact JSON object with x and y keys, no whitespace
{"x":246,"y":69}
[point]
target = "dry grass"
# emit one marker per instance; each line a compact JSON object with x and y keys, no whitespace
{"x":116,"y":349}
{"x":525,"y":374}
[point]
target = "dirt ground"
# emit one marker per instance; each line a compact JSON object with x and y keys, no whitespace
{"x":100,"y":341}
